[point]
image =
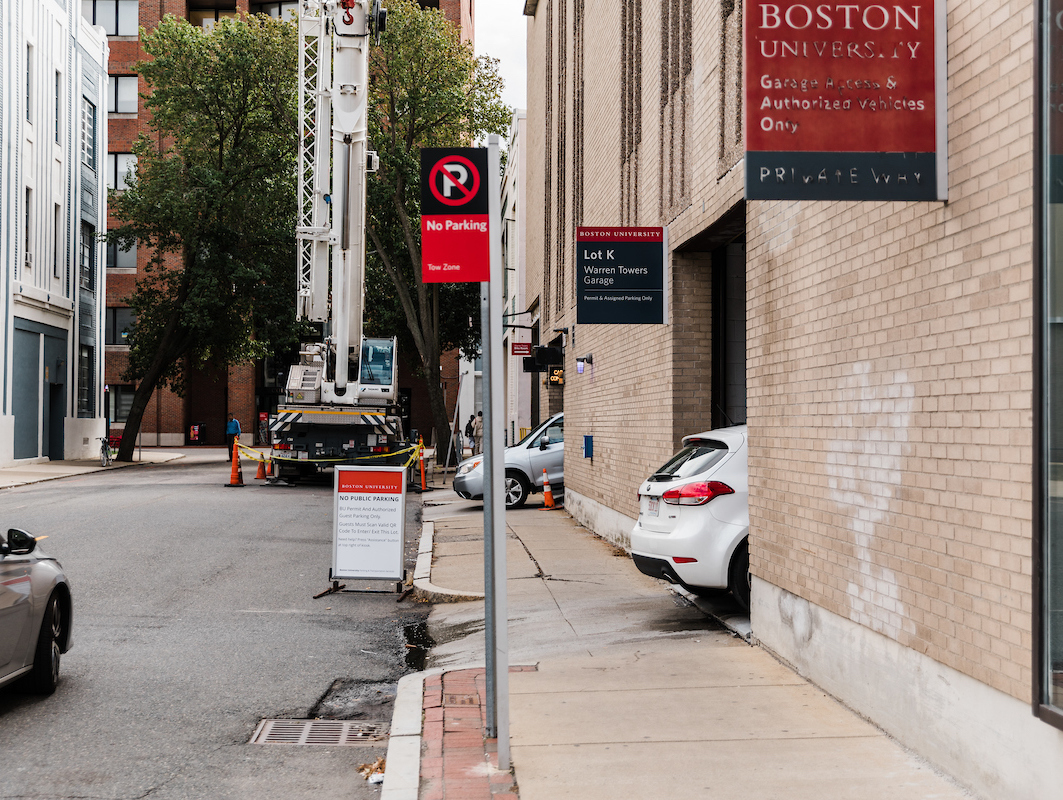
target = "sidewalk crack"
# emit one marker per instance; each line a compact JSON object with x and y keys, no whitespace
{"x":544,"y":578}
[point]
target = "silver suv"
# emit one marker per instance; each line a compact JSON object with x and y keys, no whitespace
{"x":542,"y":449}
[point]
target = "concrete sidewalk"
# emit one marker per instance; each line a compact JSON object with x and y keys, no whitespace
{"x":619,"y":688}
{"x":23,"y":474}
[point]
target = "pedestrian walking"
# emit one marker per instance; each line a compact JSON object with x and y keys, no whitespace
{"x":232,"y":430}
{"x":478,"y":433}
{"x":469,"y":442}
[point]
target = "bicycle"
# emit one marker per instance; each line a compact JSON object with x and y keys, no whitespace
{"x":105,"y":452}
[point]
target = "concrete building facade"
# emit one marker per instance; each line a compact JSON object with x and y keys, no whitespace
{"x":53,"y":140}
{"x":520,"y":386}
{"x":884,"y":355}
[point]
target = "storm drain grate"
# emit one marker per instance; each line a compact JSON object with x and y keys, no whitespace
{"x":329,"y":732}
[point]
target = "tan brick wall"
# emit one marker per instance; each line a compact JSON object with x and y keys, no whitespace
{"x":649,"y":384}
{"x":890,"y":384}
{"x":889,"y":344}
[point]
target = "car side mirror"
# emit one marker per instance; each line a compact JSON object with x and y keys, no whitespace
{"x":19,"y":543}
{"x":543,"y":442}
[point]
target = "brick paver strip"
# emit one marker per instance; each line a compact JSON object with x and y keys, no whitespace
{"x":457,"y":761}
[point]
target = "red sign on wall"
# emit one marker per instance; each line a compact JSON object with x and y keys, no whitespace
{"x":845,"y":101}
{"x":520,"y":349}
{"x":455,"y":229}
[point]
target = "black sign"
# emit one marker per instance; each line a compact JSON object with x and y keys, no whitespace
{"x":546,"y":356}
{"x":620,"y":276}
{"x":453,"y":181}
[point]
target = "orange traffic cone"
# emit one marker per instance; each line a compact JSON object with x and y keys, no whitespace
{"x":261,"y":474}
{"x":549,"y":495}
{"x":269,"y":467}
{"x":420,"y":456}
{"x":237,"y":478}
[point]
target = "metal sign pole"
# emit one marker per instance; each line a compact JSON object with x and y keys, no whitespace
{"x":496,"y":616}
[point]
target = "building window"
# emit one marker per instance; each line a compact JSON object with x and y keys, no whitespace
{"x":120,"y":166}
{"x":86,"y":384}
{"x":57,"y":249}
{"x":117,"y":17}
{"x":119,"y":325}
{"x":29,"y":83}
{"x":58,"y":97}
{"x":122,"y":94}
{"x":119,"y":401}
{"x":121,"y":259}
{"x":86,"y":261}
{"x":29,"y":230}
{"x":88,"y":134}
{"x":286,"y":10}
{"x":208,"y":18}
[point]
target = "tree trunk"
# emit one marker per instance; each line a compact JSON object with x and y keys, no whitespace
{"x":170,"y":348}
{"x":141,"y":397}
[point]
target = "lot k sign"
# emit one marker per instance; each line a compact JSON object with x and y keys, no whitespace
{"x":845,"y":101}
{"x":620,"y":276}
{"x":455,"y":234}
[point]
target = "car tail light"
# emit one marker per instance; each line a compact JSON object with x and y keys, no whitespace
{"x":696,"y":494}
{"x":684,"y":560}
{"x":380,"y":448}
{"x":282,"y":446}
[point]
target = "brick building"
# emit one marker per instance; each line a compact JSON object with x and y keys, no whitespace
{"x":246,"y":390}
{"x":894,"y":362}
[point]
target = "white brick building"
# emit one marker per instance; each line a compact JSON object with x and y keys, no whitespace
{"x":53,"y":140}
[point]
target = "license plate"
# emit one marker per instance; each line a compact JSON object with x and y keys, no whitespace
{"x":652,"y":506}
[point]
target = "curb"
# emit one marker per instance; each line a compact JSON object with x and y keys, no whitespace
{"x":423,"y":588}
{"x":402,"y":775}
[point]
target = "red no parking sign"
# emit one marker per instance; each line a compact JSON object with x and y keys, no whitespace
{"x":455,"y":229}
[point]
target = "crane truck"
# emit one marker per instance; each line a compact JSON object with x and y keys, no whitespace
{"x":339,"y":402}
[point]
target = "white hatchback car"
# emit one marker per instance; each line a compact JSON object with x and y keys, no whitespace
{"x":693,"y":524}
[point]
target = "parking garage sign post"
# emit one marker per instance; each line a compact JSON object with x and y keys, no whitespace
{"x":460,"y":208}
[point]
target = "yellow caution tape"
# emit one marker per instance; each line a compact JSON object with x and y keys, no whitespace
{"x":257,"y":455}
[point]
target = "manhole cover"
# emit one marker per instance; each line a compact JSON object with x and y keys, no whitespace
{"x":329,"y":732}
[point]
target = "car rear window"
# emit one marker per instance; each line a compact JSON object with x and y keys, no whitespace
{"x":696,"y":457}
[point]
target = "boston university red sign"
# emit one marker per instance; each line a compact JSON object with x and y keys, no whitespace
{"x":845,"y":101}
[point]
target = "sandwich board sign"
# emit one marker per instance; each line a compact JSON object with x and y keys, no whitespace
{"x":369,"y":519}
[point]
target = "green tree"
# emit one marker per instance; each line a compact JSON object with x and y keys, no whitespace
{"x":213,"y":198}
{"x":427,"y":90}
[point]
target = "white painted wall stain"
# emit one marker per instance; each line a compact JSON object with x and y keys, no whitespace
{"x":865,"y":467}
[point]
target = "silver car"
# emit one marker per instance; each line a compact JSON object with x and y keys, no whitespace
{"x":35,"y":613}
{"x":542,"y":449}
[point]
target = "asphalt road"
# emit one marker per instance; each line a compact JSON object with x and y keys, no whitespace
{"x":194,"y":619}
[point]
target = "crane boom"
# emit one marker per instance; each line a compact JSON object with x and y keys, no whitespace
{"x":339,"y":401}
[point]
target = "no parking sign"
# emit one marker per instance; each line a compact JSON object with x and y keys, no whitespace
{"x":455,"y":228}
